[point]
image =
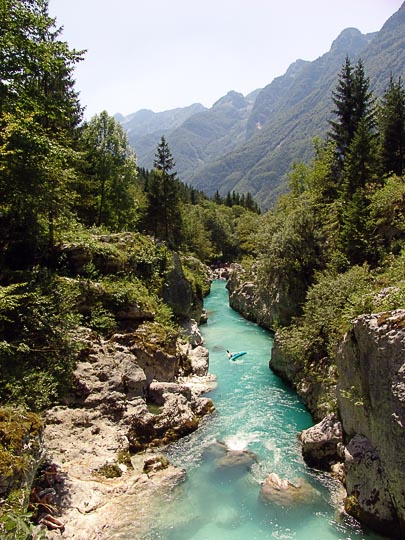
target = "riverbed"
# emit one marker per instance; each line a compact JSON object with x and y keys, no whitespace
{"x":257,"y":420}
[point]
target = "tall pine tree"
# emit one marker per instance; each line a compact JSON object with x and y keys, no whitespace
{"x":354,"y":135}
{"x":354,"y":103}
{"x":164,"y":212}
{"x":392,"y":128}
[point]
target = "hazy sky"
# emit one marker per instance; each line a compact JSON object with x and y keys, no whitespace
{"x":162,"y":54}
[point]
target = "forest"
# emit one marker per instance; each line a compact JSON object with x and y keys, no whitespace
{"x":332,"y":243}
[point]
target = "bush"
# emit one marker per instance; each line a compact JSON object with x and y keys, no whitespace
{"x":37,"y":348}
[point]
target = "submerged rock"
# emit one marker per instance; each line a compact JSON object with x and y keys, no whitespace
{"x":236,"y":459}
{"x":280,"y":491}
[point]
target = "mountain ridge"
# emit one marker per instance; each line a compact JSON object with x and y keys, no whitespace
{"x":249,"y":143}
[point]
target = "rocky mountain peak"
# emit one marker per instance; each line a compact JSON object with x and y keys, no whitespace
{"x":233,"y":99}
{"x":348,"y":39}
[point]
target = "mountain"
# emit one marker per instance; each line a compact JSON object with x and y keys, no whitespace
{"x":287,"y":115}
{"x":249,"y":143}
{"x":145,"y":127}
{"x":203,"y":136}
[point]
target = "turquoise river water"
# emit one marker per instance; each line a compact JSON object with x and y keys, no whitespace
{"x":257,"y":412}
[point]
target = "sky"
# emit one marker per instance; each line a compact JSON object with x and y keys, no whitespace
{"x":163,"y":54}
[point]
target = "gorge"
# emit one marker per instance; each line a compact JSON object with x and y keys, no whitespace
{"x":369,"y":400}
{"x":108,"y":400}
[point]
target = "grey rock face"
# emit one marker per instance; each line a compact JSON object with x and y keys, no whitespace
{"x":321,"y":443}
{"x":274,"y":305}
{"x":371,"y":399}
{"x":369,"y":498}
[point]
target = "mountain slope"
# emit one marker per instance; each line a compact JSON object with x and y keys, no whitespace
{"x":200,"y":139}
{"x":249,"y":143}
{"x":296,"y":107}
{"x":287,"y":115}
{"x":145,"y":127}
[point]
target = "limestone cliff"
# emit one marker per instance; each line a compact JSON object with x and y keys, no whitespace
{"x":271,"y":309}
{"x":314,"y":382}
{"x":271,"y":305}
{"x":371,"y":399}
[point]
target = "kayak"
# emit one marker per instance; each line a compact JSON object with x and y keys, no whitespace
{"x":234,"y":356}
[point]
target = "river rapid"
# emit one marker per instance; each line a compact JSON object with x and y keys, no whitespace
{"x":256,"y":412}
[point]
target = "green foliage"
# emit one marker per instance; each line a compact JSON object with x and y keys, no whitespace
{"x":17,"y":526}
{"x":392,"y":127}
{"x":310,"y":343}
{"x":111,"y":194}
{"x":37,"y":348}
{"x":101,"y":320}
{"x":39,"y":109}
{"x":196,"y":274}
{"x":109,"y":470}
{"x":18,"y":429}
{"x":292,"y":245}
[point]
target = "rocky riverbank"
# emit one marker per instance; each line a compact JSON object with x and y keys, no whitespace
{"x":105,"y":440}
{"x":362,"y":444}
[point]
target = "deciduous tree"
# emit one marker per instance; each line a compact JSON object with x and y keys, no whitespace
{"x":39,"y":110}
{"x":115,"y":197}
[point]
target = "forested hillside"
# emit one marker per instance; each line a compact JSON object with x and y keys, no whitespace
{"x":90,"y":244}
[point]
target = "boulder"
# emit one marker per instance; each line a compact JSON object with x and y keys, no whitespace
{"x":157,"y":390}
{"x":241,"y":459}
{"x":192,"y":332}
{"x":175,"y":420}
{"x":282,"y":492}
{"x":321,"y":443}
{"x":199,"y":358}
{"x":157,"y":363}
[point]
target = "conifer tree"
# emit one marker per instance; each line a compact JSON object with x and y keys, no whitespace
{"x":355,"y":138}
{"x":353,"y":103}
{"x":164,"y":197}
{"x":217,"y":198}
{"x":392,"y":126}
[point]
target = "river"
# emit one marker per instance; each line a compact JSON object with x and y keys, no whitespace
{"x":255,"y":411}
